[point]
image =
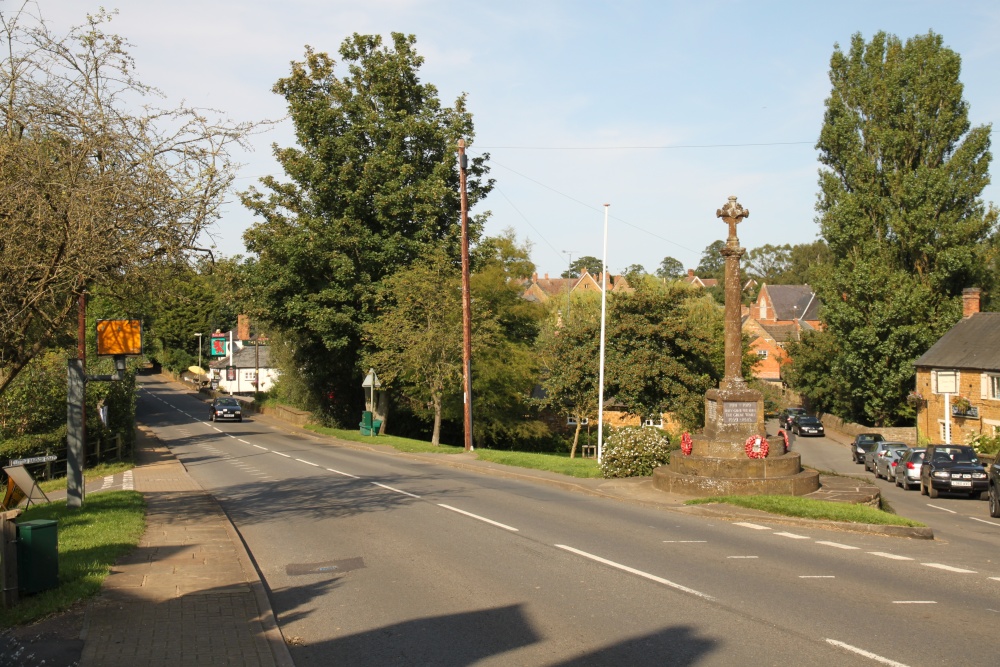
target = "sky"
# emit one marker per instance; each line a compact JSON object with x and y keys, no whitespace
{"x":661,"y":109}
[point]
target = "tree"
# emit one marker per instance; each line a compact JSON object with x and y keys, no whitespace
{"x":670,"y":269}
{"x":592,"y":264}
{"x":899,"y":206}
{"x":712,"y":264}
{"x":768,"y":263}
{"x":373,"y":186}
{"x":90,"y":190}
{"x":634,"y":272}
{"x":807,"y":261}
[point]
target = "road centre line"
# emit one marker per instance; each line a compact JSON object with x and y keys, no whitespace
{"x":281,"y":454}
{"x":817,"y":576}
{"x":943,"y":509}
{"x":630,"y":570}
{"x":751,"y":525}
{"x":793,"y":536}
{"x":949,"y":568}
{"x":405,"y":493}
{"x":685,"y":541}
{"x":835,"y":544}
{"x":315,"y":465}
{"x":867,"y":654}
{"x":992,"y":523}
{"x":257,"y":446}
{"x":746,"y":557}
{"x":217,"y":429}
{"x":995,"y":578}
{"x":914,"y":602}
{"x":882,"y":554}
{"x":480,"y":518}
{"x":247,"y":443}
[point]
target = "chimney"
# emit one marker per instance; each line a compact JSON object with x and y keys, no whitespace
{"x":970,"y":301}
{"x":690,"y":273}
{"x":546,"y":276}
{"x":534,"y":277}
{"x":243,"y":327}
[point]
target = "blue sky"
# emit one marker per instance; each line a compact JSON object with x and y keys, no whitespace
{"x":662,"y":109}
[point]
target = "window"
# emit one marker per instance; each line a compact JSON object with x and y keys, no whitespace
{"x":571,"y":421}
{"x":993,"y":386}
{"x":762,"y":354}
{"x":658,"y":422}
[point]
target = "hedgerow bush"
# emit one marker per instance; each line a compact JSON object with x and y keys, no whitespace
{"x":634,"y":452}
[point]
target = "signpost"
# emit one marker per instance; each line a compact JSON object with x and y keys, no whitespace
{"x":371,"y":383}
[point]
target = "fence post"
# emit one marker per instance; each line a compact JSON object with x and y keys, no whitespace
{"x":48,"y":465}
{"x":8,"y":558}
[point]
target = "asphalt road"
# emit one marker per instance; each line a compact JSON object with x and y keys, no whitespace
{"x":375,"y":559}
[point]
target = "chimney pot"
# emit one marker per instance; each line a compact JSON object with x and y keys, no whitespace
{"x":970,"y":301}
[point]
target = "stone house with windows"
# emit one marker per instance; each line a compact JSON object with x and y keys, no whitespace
{"x":779,"y":315}
{"x":544,"y":289}
{"x":958,"y":378}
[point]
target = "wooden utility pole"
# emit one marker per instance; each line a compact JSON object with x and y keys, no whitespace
{"x":466,"y":299}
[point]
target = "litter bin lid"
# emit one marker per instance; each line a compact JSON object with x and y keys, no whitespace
{"x":38,"y":523}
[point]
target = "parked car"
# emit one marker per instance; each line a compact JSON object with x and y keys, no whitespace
{"x":807,"y":425}
{"x":226,"y":407}
{"x":864,"y":443}
{"x":886,"y":457}
{"x":788,"y":415}
{"x":952,"y":469}
{"x":994,"y":481}
{"x":907,"y":473}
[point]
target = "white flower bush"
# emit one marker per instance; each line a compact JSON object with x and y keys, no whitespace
{"x":634,"y":452}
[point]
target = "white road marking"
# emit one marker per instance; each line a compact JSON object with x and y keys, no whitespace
{"x":867,"y":654}
{"x":259,"y":447}
{"x":316,"y":465}
{"x":281,"y":454}
{"x":816,"y":576}
{"x":995,"y":578}
{"x":384,"y":486}
{"x":949,"y":568}
{"x":247,"y":443}
{"x":992,"y":523}
{"x":793,"y":536}
{"x":836,"y":544}
{"x":217,"y":429}
{"x":748,"y":557}
{"x":943,"y":509}
{"x":685,"y":541}
{"x":751,"y":525}
{"x":914,"y":602}
{"x":343,"y":473}
{"x":882,"y":554}
{"x":127,"y":481}
{"x":476,"y":516}
{"x":631,"y":570}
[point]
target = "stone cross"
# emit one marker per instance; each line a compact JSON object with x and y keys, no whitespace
{"x":733,"y":214}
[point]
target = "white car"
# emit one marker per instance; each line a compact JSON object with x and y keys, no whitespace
{"x":908,"y":468}
{"x":887,"y":461}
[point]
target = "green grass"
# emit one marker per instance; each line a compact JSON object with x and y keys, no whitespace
{"x":91,"y":539}
{"x":398,"y":443}
{"x":812,"y":509}
{"x":97,"y":472}
{"x":560,"y":463}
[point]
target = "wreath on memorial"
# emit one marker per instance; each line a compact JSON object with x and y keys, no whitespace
{"x":756,"y":447}
{"x":686,"y":444}
{"x":784,"y":437}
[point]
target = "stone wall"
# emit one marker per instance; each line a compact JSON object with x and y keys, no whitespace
{"x":907,"y":434}
{"x":287,"y":413}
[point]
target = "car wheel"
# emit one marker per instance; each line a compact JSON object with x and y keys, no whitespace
{"x":239,"y":419}
{"x":899,"y":484}
{"x":932,"y":492}
{"x":994,"y":502}
{"x":976,"y":495}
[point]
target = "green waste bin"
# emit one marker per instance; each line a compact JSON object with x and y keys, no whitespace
{"x":37,"y":556}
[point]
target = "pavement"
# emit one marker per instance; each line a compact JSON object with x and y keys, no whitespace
{"x":191,"y":595}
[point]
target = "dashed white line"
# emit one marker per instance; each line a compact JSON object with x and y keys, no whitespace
{"x":995,"y":578}
{"x":217,"y":429}
{"x":914,"y":602}
{"x":992,"y":523}
{"x":247,"y":443}
{"x":405,"y":493}
{"x":751,"y":525}
{"x":282,"y":454}
{"x":127,"y":481}
{"x":882,"y":554}
{"x":838,"y":545}
{"x":310,"y":463}
{"x":817,"y":576}
{"x":948,"y":568}
{"x":345,"y":474}
{"x":867,"y":654}
{"x":793,"y":536}
{"x":685,"y":541}
{"x":646,"y":575}
{"x":259,"y":447}
{"x":480,"y":518}
{"x":745,"y":557}
{"x":943,"y":509}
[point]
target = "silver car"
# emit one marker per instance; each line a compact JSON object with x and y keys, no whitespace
{"x":876,"y":453}
{"x":886,"y":462}
{"x":908,"y":468}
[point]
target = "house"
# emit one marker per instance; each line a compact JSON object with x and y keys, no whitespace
{"x":692,"y":279}
{"x":250,"y":360}
{"x":958,"y":378}
{"x":779,"y":315}
{"x":544,"y":289}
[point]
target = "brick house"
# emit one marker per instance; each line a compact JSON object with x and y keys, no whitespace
{"x":779,"y":315}
{"x":544,"y":289}
{"x":958,"y":378}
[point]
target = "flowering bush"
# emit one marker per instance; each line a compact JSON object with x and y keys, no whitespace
{"x":634,"y":452}
{"x":985,"y":444}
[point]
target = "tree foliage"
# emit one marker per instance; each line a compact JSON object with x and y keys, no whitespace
{"x":670,"y":269}
{"x":593,"y":265}
{"x":899,"y":206}
{"x":712,"y":264}
{"x":373,"y":185}
{"x":90,"y":190}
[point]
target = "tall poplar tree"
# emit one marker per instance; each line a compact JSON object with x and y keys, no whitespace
{"x":899,"y":206}
{"x":373,"y":184}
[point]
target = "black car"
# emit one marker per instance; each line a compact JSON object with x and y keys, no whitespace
{"x":994,"y":481}
{"x":806,"y":425}
{"x":864,"y":443}
{"x":226,"y":407}
{"x":952,"y":469}
{"x":788,"y":415}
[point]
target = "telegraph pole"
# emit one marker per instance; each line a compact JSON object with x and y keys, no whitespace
{"x":466,"y":299}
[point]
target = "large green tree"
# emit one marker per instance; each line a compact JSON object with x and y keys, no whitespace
{"x":372,"y":185}
{"x":899,"y":206}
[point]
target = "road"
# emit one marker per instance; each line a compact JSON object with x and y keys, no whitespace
{"x":375,"y":559}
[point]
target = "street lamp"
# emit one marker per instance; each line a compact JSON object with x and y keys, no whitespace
{"x":199,"y":350}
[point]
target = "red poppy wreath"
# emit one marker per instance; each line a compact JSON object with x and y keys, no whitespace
{"x":756,"y":447}
{"x":686,"y":444}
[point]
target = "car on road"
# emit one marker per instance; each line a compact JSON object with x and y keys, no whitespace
{"x":788,"y":415}
{"x":226,"y":407}
{"x":807,"y":425}
{"x":907,"y":473}
{"x":864,"y":443}
{"x":952,"y":469}
{"x":886,"y":458}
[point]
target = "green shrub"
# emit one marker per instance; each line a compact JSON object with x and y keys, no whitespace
{"x":634,"y":452}
{"x":985,"y":444}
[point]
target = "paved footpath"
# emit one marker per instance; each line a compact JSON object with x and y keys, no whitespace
{"x":189,"y":594}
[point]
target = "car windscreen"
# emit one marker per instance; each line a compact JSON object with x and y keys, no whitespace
{"x":228,"y":402}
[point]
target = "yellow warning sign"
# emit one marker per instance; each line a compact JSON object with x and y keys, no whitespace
{"x":119,"y":337}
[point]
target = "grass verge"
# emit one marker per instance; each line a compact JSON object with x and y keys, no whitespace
{"x":809,"y":508}
{"x":394,"y":441}
{"x":97,"y":472}
{"x":91,"y":539}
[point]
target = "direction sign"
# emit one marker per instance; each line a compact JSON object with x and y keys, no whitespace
{"x":34,"y":459}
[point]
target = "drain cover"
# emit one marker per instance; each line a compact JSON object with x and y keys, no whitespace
{"x":327,"y":567}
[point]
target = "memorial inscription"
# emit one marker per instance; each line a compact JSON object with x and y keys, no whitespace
{"x":739,"y":412}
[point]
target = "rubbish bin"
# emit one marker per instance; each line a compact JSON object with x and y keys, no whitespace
{"x":37,"y":556}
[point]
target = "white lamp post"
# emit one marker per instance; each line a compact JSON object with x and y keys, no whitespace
{"x":198,"y":335}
